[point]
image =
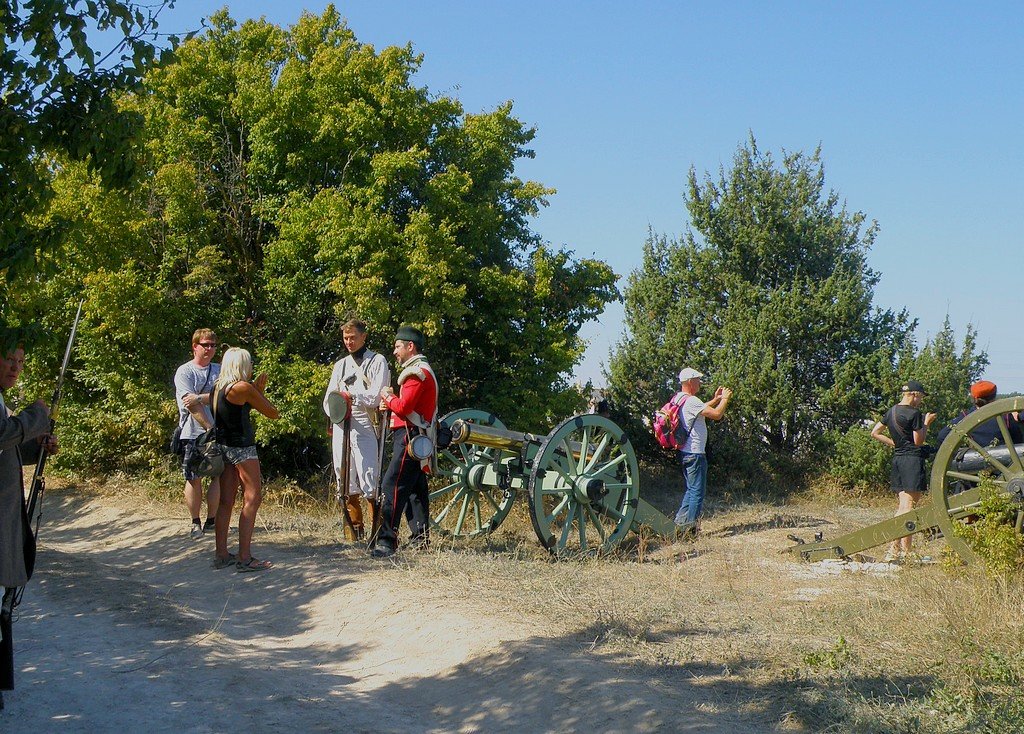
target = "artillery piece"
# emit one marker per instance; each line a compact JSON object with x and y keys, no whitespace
{"x":582,"y":482}
{"x":960,"y":465}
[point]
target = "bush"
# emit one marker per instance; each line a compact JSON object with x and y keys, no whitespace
{"x":856,"y":460}
{"x":992,"y":536}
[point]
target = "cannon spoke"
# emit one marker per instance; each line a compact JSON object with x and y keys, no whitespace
{"x":595,"y":519}
{"x":449,"y":505}
{"x":963,"y":476}
{"x":438,"y":493}
{"x":582,"y":524}
{"x":566,"y":450}
{"x":570,"y":515}
{"x":447,"y":454}
{"x":611,"y":463}
{"x":598,"y":453}
{"x":491,"y":501}
{"x":558,"y":509}
{"x":565,"y":474}
{"x":995,"y":463}
{"x":584,"y":448}
{"x":1015,"y":461}
{"x":459,"y":522}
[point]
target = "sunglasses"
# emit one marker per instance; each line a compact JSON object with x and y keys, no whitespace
{"x":208,"y":345}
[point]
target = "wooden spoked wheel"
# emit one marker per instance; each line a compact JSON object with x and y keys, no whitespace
{"x":961,"y":463}
{"x":584,"y":486}
{"x":467,"y":498}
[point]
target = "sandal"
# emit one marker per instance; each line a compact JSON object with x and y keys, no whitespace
{"x":251,"y":565}
{"x":220,"y":563}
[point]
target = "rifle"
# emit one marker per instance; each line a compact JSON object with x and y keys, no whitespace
{"x":38,"y":486}
{"x":346,"y":476}
{"x":385,"y":429}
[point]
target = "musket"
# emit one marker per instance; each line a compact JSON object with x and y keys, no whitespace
{"x":346,"y":475}
{"x":385,"y":424}
{"x":38,"y":486}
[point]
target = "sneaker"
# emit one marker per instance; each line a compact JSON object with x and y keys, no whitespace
{"x":382,"y":551}
{"x":196,"y":532}
{"x":210,"y":526}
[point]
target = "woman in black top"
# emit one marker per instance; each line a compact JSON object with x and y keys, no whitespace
{"x":907,"y":430}
{"x":234,"y":398}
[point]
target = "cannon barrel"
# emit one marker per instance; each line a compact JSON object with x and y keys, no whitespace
{"x":504,"y":439}
{"x":464,"y":431}
{"x":972,"y":461}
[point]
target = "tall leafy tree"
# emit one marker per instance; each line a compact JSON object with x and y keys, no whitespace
{"x":58,"y":97}
{"x":294,"y":176}
{"x":768,"y":292}
{"x":947,"y":371}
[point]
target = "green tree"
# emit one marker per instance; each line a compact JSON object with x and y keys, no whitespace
{"x":769,"y":292}
{"x":58,"y":97}
{"x":292,"y":177}
{"x":946,"y":371}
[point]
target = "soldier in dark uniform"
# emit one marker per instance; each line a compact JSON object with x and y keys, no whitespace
{"x":413,"y":414}
{"x":988,"y":433}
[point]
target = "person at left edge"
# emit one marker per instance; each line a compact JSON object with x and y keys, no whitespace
{"x":22,"y":436}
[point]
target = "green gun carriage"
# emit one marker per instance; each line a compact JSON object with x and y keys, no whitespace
{"x":959,"y":466}
{"x":581,"y":479}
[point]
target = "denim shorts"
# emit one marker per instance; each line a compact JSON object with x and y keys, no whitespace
{"x":235,"y":455}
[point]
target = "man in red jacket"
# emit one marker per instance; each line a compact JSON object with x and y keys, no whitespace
{"x":413,"y":414}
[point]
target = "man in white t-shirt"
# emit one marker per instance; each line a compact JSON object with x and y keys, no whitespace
{"x":692,"y":458}
{"x":193,"y":386}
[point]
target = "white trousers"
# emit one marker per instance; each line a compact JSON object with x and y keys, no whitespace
{"x":363,"y":469}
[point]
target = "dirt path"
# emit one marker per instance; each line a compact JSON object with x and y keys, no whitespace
{"x":126,"y":628}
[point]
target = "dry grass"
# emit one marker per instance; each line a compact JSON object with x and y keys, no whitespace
{"x":814,"y":647}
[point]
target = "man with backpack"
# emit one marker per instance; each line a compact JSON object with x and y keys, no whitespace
{"x":693,"y":461}
{"x":193,"y":386}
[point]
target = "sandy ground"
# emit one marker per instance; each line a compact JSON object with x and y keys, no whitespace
{"x":126,"y":628}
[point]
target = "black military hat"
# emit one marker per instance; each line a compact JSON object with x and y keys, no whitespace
{"x":409,"y":333}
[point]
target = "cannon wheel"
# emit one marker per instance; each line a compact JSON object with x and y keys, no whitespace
{"x":460,"y":505}
{"x":946,"y":475}
{"x":584,"y":503}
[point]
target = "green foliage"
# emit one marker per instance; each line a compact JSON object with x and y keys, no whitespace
{"x":946,"y":371}
{"x":770,"y":295}
{"x":58,"y":97}
{"x":836,"y":658}
{"x":290,"y":178}
{"x":981,"y":693}
{"x":856,"y":459}
{"x":992,"y":535}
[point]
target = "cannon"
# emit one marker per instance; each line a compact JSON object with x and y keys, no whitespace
{"x":954,"y":486}
{"x":581,"y":480}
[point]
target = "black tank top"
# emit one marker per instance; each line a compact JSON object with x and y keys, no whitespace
{"x":233,"y":425}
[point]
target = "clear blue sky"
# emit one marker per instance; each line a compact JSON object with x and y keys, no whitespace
{"x":917,"y":106}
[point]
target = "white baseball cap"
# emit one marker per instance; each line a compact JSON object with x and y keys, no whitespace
{"x":689,"y":373}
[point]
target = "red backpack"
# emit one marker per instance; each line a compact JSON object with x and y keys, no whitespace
{"x":669,"y":426}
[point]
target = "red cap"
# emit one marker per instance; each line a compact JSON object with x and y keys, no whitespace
{"x":983,"y":389}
